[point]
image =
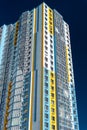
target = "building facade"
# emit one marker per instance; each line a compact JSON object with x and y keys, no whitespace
{"x":37,"y":89}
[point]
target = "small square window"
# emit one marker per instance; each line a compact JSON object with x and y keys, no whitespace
{"x":46,"y":99}
{"x":46,"y":71}
{"x":46,"y":37}
{"x":51,"y":51}
{"x":52,"y":68}
{"x":46,"y":42}
{"x":46,"y":85}
{"x":51,"y":62}
{"x":46,"y":115}
{"x":52,"y":87}
{"x":45,"y":14}
{"x":53,"y":118}
{"x":52,"y":94}
{"x":51,"y":41}
{"x":53,"y":127}
{"x":46,"y":124}
{"x":46,"y":58}
{"x":46,"y":47}
{"x":52,"y":109}
{"x":52,"y":102}
{"x":51,"y":57}
{"x":46,"y":91}
{"x":52,"y":80}
{"x":46,"y":64}
{"x":45,"y":18}
{"x":45,"y":32}
{"x":51,"y":46}
{"x":46,"y":107}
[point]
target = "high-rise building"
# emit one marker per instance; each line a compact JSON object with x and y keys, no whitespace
{"x":37,"y":89}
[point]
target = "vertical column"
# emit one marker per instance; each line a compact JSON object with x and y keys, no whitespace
{"x":32,"y":73}
{"x":7,"y":106}
{"x":16,"y":33}
{"x":70,"y":78}
{"x":53,"y":105}
{"x":41,"y":89}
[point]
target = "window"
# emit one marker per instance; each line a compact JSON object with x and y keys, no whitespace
{"x":51,"y":41}
{"x":53,"y":126}
{"x":68,"y":41}
{"x":45,"y":32}
{"x":50,"y":10}
{"x":46,"y":115}
{"x":46,"y":107}
{"x":73,"y":105}
{"x":76,"y":127}
{"x":46,"y":64}
{"x":45,"y":14}
{"x":69,"y":59}
{"x":15,"y":121}
{"x":18,"y":91}
{"x":45,"y":23}
{"x":53,"y":118}
{"x":52,"y":87}
{"x":75,"y":119}
{"x":45,"y":6}
{"x":46,"y":42}
{"x":52,"y":109}
{"x":45,"y":18}
{"x":70,"y":69}
{"x":46,"y":78}
{"x":51,"y":23}
{"x":45,"y":10}
{"x":30,"y":24}
{"x":70,"y":64}
{"x":30,"y":37}
{"x":30,"y":42}
{"x":52,"y":68}
{"x":52,"y":74}
{"x":45,"y":27}
{"x":74,"y":111}
{"x":51,"y":46}
{"x":29,"y":52}
{"x":52,"y":62}
{"x":17,"y":98}
{"x":51,"y":57}
{"x":46,"y":124}
{"x":52,"y":94}
{"x":45,"y":36}
{"x":70,"y":74}
{"x":46,"y":71}
{"x":28,"y":58}
{"x":50,"y":18}
{"x":72,"y":92}
{"x":71,"y":80}
{"x":72,"y":98}
{"x":16,"y":113}
{"x":52,"y":80}
{"x":52,"y":102}
{"x":46,"y":58}
{"x":46,"y":84}
{"x":46,"y":47}
{"x":51,"y":51}
{"x":68,"y":50}
{"x":46,"y":91}
{"x":46,"y":99}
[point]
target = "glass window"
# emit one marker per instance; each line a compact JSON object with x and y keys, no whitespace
{"x":53,"y":126}
{"x":46,"y":124}
{"x":46,"y":115}
{"x":15,"y":121}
